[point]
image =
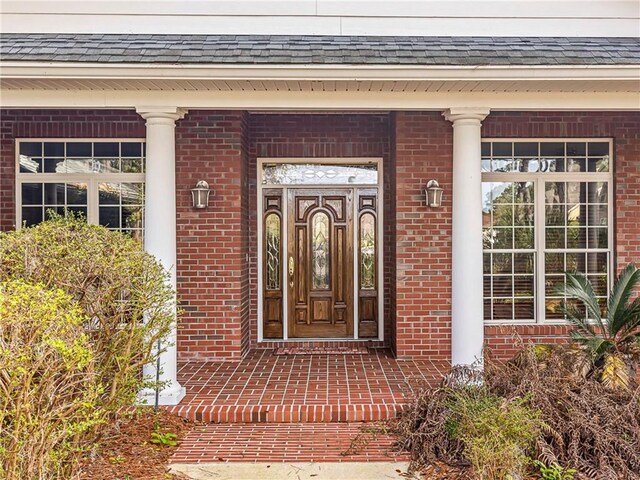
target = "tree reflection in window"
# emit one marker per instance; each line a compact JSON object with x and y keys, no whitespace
{"x":367,"y":251}
{"x":320,"y":251}
{"x":272,"y":227}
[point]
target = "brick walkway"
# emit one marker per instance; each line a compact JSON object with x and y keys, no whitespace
{"x":266,"y":388}
{"x":284,"y":442}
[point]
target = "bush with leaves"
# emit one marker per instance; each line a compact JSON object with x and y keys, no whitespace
{"x":48,"y":384}
{"x":609,"y":335}
{"x":121,"y":289}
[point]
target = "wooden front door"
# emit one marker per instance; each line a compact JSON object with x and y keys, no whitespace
{"x":319,"y":273}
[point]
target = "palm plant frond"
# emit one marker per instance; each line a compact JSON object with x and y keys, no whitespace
{"x":614,"y":340}
{"x":622,"y":290}
{"x":615,"y":373}
{"x":628,"y":320}
{"x":579,"y":288}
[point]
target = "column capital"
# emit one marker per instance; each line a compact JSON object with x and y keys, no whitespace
{"x":467,"y":114}
{"x":169,"y":113}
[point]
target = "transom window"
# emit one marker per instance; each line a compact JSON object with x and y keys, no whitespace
{"x":101,"y":179}
{"x":547,"y":209}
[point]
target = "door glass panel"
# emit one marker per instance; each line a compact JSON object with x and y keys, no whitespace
{"x":315,"y":173}
{"x":320,"y":251}
{"x":272,"y":224}
{"x":367,"y":251}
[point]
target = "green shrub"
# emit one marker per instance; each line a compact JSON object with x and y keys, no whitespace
{"x":497,"y":433}
{"x":554,"y":471}
{"x":48,"y":384}
{"x":121,"y":289}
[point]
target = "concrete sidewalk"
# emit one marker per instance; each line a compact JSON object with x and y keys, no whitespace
{"x":295,"y":471}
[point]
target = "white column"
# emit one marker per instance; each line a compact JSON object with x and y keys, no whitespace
{"x":160,"y":231}
{"x":467,"y":326}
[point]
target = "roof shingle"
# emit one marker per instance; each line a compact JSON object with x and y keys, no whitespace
{"x":350,"y":50}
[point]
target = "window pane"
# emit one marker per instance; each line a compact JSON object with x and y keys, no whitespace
{"x":320,"y":251}
{"x":273,"y":241}
{"x":502,"y":263}
{"x":131,"y":165}
{"x":132,"y":193}
{"x":54,"y":193}
{"x":367,"y":251}
{"x":109,"y":193}
{"x":525,"y":149}
{"x":523,"y":238}
{"x":30,"y":164}
{"x":32,"y":194}
{"x":76,"y":193}
{"x":552,"y":149}
{"x":131,"y":218}
{"x":79,"y":149}
{"x":523,"y":263}
{"x":131,"y":149}
{"x":110,"y":217}
{"x":54,"y":149}
{"x":54,"y":165}
{"x":31,"y":215}
{"x":106,"y":149}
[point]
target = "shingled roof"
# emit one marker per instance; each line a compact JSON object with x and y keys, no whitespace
{"x":343,"y":50}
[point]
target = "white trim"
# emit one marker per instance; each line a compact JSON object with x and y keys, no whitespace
{"x":539,"y":180}
{"x":587,"y":100}
{"x":77,"y":70}
{"x":379,"y":161}
{"x":91,"y":179}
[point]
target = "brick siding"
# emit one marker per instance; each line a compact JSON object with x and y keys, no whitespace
{"x":423,"y":150}
{"x":218,"y":286}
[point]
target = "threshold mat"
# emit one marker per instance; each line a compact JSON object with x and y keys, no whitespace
{"x":322,"y":351}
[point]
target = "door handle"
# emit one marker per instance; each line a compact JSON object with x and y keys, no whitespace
{"x":291,"y":270}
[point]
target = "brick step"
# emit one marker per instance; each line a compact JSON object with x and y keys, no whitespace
{"x":233,"y":414}
{"x":285,"y":442}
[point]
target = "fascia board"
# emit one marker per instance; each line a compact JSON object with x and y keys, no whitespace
{"x":44,"y":70}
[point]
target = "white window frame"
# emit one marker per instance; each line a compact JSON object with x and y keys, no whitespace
{"x":539,"y":179}
{"x":378,"y":161}
{"x":91,"y":179}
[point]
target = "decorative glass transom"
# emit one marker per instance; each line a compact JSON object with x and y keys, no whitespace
{"x":318,"y":174}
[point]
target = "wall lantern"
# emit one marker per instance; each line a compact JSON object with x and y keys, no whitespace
{"x":200,"y":194}
{"x":433,"y":194}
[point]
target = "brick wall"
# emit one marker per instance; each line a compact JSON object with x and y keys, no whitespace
{"x":423,"y":150}
{"x":71,"y":123}
{"x":212,"y":284}
{"x":320,"y":135}
{"x":624,"y":128}
{"x":218,"y":286}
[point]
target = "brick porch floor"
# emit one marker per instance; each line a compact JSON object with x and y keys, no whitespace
{"x":319,"y":388}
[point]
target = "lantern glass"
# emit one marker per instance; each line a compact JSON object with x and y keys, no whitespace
{"x":433,"y":194}
{"x":200,"y":195}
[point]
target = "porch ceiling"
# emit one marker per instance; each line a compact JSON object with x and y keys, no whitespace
{"x":300,"y":85}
